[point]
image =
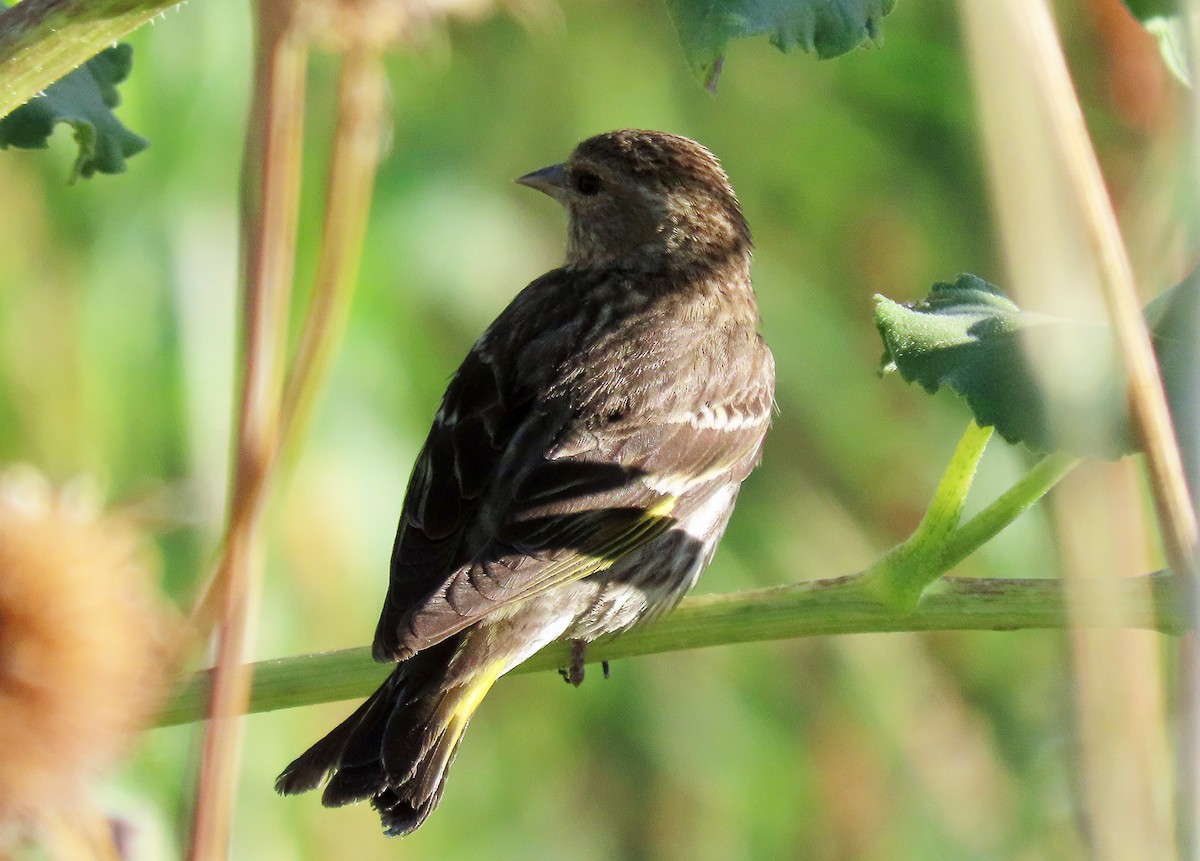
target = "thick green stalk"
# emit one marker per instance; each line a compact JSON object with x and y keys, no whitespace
{"x":838,"y":606}
{"x":43,"y":40}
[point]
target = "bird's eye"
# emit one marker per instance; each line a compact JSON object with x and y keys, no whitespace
{"x":587,"y":183}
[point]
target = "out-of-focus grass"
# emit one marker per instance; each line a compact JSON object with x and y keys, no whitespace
{"x":858,"y":176}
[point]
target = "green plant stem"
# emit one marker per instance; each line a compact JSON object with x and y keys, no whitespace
{"x":842,"y":605}
{"x":822,"y":607}
{"x":42,"y":40}
{"x":985,"y":525}
{"x":900,"y":576}
{"x":945,"y":511}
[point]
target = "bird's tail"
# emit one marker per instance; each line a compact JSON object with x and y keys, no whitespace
{"x":398,"y":745}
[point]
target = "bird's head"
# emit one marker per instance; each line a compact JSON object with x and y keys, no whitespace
{"x":645,"y":200}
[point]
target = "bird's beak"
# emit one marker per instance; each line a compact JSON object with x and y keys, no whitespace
{"x":552,"y":180}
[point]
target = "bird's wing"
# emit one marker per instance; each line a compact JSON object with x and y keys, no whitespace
{"x":451,"y":478}
{"x":512,"y":496}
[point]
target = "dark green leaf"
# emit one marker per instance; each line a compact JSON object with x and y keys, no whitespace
{"x":970,"y":337}
{"x":1162,"y":19}
{"x":1174,"y":318}
{"x":827,"y":28}
{"x":83,"y":99}
{"x":1146,"y":9}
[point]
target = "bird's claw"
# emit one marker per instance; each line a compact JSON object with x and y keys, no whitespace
{"x":573,"y":673}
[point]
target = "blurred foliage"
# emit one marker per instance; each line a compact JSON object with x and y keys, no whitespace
{"x":1144,"y":9}
{"x":1162,"y":18}
{"x":1175,"y":320}
{"x":858,"y":176}
{"x":827,"y":29}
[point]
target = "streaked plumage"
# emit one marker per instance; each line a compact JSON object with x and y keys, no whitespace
{"x":582,"y":466}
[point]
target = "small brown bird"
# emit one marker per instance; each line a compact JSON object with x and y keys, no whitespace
{"x":581,"y":469}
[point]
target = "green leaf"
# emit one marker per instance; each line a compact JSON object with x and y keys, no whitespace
{"x":1162,"y":19}
{"x":827,"y":28}
{"x":1174,"y":319}
{"x":1144,"y":9}
{"x":84,"y":99}
{"x":970,"y":337}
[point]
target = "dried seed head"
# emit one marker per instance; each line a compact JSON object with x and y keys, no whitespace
{"x":379,"y":25}
{"x":80,"y":645}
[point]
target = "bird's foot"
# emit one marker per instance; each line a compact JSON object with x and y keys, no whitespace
{"x":573,"y":673}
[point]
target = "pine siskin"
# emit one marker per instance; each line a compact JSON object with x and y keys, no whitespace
{"x":581,"y":469}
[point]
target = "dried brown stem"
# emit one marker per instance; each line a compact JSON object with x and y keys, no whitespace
{"x":271,"y":185}
{"x":358,"y":140}
{"x":1065,"y":249}
{"x":1147,"y":400}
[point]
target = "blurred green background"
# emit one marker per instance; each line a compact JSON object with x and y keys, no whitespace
{"x":858,"y":175}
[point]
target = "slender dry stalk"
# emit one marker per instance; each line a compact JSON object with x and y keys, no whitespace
{"x":1168,"y":483}
{"x":357,"y":144}
{"x":271,"y":187}
{"x":1066,"y":254}
{"x":1148,"y":403}
{"x":274,"y":413}
{"x":1120,"y":703}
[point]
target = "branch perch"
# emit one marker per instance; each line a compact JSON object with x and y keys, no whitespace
{"x":821,"y":607}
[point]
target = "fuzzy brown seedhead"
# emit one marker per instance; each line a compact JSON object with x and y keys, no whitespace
{"x":645,"y":200}
{"x":80,"y":670}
